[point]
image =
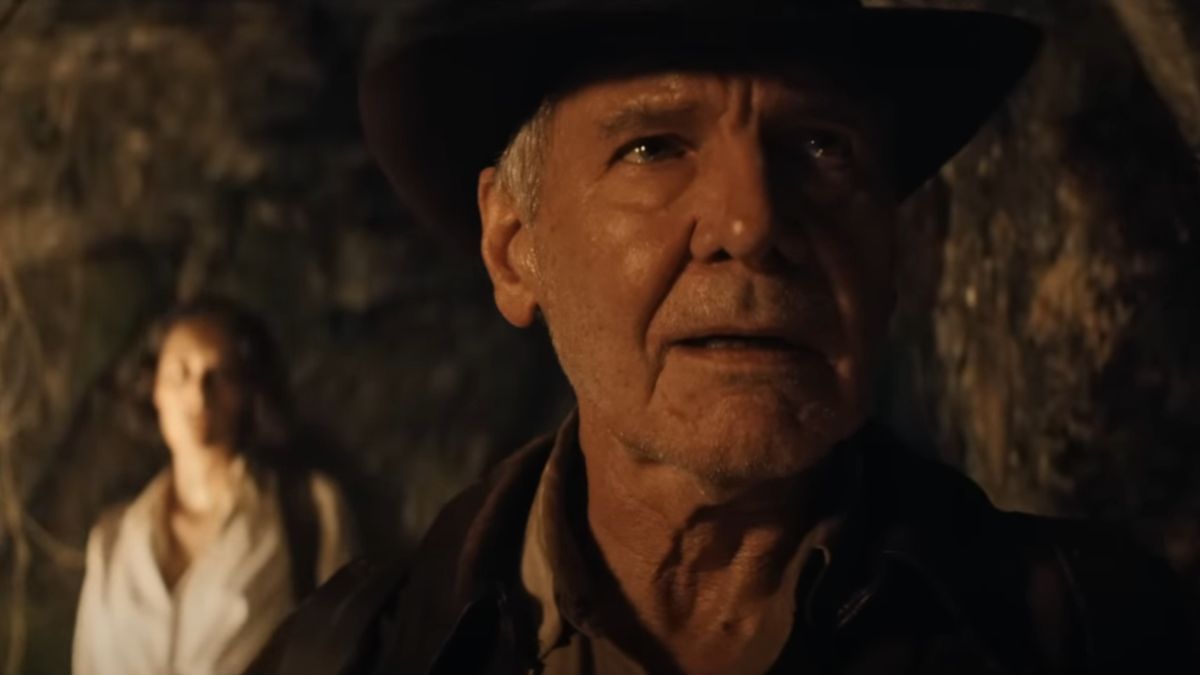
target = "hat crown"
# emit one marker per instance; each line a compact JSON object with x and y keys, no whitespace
{"x":416,"y":20}
{"x":460,"y":76}
{"x":651,"y":5}
{"x":467,"y":8}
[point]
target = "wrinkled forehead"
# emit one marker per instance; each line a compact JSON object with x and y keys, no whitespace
{"x":796,"y":90}
{"x":646,"y":78}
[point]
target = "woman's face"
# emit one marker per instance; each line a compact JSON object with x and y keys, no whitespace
{"x":199,"y":391}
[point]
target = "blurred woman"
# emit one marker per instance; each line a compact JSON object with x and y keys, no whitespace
{"x":195,"y":574}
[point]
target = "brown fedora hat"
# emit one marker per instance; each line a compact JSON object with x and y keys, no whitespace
{"x":461,"y":76}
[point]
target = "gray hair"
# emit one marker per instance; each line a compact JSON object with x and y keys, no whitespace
{"x":520,"y":167}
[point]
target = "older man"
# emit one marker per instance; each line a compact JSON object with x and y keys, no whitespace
{"x":698,"y":201}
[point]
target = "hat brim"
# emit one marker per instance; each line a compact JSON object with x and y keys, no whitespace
{"x":439,"y":109}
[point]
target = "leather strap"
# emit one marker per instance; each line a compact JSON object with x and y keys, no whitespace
{"x":301,"y":528}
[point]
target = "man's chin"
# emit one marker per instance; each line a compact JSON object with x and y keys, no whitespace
{"x":769,"y":420}
{"x":730,"y":475}
{"x":747,"y":453}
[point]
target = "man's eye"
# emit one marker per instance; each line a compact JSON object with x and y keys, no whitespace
{"x":651,"y":149}
{"x":827,"y":146}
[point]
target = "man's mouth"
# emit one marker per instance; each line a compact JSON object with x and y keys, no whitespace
{"x":738,"y":342}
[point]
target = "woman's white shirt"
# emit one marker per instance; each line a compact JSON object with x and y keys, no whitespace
{"x":224,"y":607}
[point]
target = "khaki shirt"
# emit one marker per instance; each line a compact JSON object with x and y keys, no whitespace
{"x":570,"y":640}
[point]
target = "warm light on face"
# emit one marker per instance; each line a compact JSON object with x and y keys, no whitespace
{"x":714,"y":256}
{"x":198,"y":391}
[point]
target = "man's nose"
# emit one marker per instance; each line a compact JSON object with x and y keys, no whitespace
{"x":740,"y":216}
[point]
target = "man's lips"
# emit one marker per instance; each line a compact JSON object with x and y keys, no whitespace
{"x":758,"y":341}
{"x":738,"y":341}
{"x":756,"y":351}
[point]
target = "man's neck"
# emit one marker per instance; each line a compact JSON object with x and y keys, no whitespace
{"x":693,"y":561}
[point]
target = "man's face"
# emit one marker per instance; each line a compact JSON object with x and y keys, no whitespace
{"x":713,"y":257}
{"x":198,"y":391}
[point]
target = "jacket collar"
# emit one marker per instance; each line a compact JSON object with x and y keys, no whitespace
{"x":911,"y":513}
{"x":559,"y":572}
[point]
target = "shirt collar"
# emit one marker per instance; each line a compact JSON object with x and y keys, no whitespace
{"x":154,"y":503}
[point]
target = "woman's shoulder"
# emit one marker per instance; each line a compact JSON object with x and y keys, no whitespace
{"x":102,"y":538}
{"x":112,"y":520}
{"x":111,"y":517}
{"x":310,"y":490}
{"x":325,"y":489}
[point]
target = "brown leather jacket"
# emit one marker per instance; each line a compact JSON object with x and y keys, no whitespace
{"x":942,"y":582}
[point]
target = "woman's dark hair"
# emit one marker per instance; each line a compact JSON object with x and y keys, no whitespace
{"x":268,"y":426}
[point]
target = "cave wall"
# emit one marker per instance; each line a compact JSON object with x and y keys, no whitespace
{"x":153,"y":150}
{"x":1052,"y":347}
{"x":150,"y":149}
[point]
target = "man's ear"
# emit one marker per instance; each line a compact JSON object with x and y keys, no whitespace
{"x":507,"y":251}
